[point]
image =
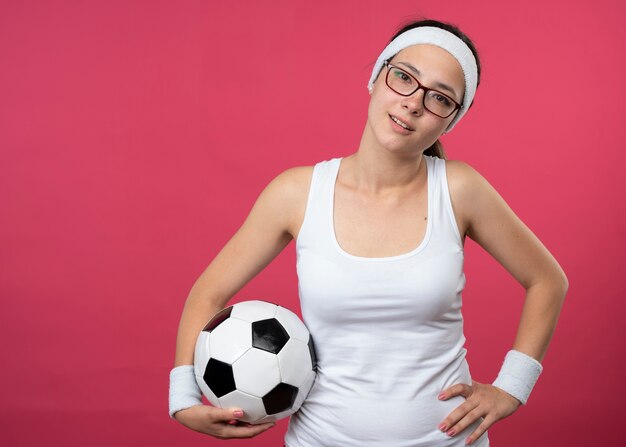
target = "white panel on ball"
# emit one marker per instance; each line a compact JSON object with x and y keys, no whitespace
{"x":275,"y":417}
{"x":270,"y":418}
{"x":304,"y":390}
{"x":292,"y":324}
{"x":230,"y":340}
{"x":254,"y":408}
{"x":294,"y":361}
{"x":283,"y":414}
{"x":256,"y":372}
{"x":202,"y":353}
{"x":254,"y":310}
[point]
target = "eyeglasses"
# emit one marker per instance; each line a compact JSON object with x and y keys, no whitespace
{"x":405,"y":84}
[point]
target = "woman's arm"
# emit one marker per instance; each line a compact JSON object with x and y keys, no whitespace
{"x":496,"y":228}
{"x":490,"y":222}
{"x":263,"y":235}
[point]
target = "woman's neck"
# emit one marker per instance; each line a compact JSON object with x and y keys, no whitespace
{"x":379,"y":171}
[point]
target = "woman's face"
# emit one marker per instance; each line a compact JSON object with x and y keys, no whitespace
{"x":434,"y":68}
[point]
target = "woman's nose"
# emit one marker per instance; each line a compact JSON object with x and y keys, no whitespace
{"x":415,"y":102}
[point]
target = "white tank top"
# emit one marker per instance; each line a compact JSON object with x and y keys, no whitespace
{"x":388,"y":331}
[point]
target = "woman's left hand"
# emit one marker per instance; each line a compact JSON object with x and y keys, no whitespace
{"x":481,"y":400}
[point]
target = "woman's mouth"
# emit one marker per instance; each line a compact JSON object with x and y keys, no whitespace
{"x":401,"y":124}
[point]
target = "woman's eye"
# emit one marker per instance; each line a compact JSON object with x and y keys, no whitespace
{"x":403,"y":76}
{"x":442,"y":99}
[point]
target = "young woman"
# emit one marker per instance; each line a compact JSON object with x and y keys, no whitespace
{"x":379,"y":239}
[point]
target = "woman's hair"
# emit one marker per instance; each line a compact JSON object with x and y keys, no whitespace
{"x":436,"y":149}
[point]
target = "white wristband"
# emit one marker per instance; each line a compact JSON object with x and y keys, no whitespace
{"x":184,"y":391}
{"x":518,"y":375}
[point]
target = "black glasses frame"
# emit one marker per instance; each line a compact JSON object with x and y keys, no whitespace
{"x":457,"y":106}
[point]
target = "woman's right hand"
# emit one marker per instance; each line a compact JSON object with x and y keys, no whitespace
{"x":220,"y":423}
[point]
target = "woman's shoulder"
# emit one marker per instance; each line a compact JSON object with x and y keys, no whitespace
{"x":470,"y":192}
{"x":294,"y":179}
{"x":461,"y":175}
{"x":467,"y":188}
{"x":290,"y":188}
{"x":297,"y":179}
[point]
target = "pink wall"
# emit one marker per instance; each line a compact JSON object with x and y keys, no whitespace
{"x":136,"y":135}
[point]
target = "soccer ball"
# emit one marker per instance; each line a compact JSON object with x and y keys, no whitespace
{"x":256,"y":356}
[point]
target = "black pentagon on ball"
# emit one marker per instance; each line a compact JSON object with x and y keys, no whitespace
{"x":218,"y":319}
{"x":219,"y":377}
{"x":269,"y":335}
{"x":281,"y":398}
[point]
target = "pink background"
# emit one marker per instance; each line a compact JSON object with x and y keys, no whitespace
{"x":136,"y":135}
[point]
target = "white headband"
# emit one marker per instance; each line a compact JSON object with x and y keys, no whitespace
{"x":443,"y":39}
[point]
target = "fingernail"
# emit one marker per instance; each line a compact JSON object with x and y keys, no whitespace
{"x":442,"y":427}
{"x":232,"y":422}
{"x":237,"y":413}
{"x":441,"y":396}
{"x":451,"y":432}
{"x":468,"y":441}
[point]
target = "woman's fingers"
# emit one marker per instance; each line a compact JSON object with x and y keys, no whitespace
{"x":458,"y":424}
{"x":451,"y":423}
{"x":233,"y":428}
{"x":225,"y":414}
{"x":460,"y":389}
{"x":480,"y":430}
{"x":482,"y":401}
{"x":219,"y":422}
{"x":244,"y":431}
